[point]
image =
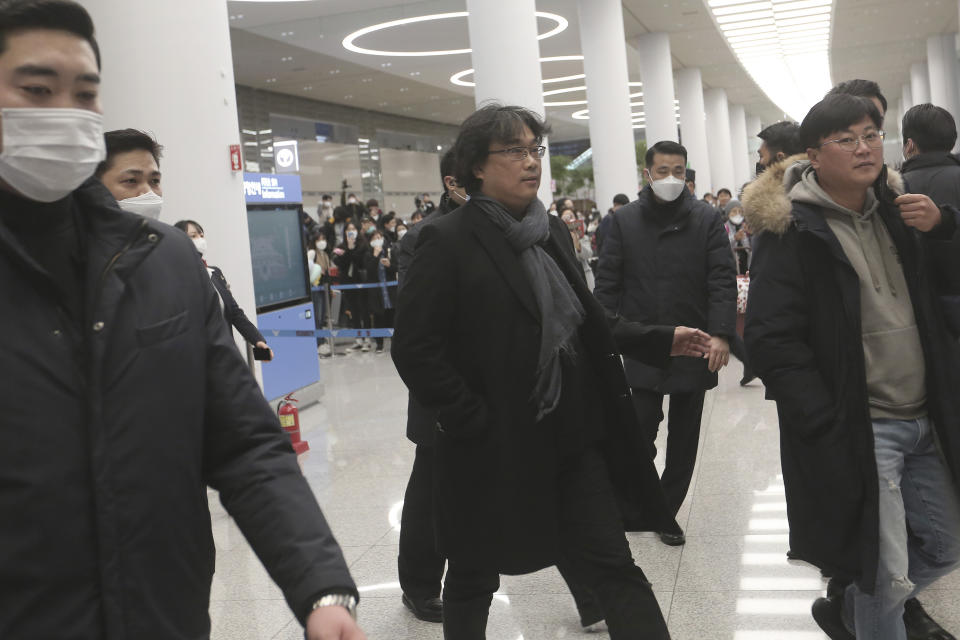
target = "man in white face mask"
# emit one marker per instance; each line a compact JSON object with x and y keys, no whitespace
{"x":123,"y":395}
{"x":132,"y":172}
{"x":666,"y":260}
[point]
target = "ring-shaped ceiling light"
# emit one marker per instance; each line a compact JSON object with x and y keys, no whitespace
{"x":783,"y":45}
{"x":348,"y":42}
{"x":458,"y":77}
{"x":574,"y":103}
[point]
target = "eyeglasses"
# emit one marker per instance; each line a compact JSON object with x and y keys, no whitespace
{"x":873,"y":140}
{"x":521,"y":153}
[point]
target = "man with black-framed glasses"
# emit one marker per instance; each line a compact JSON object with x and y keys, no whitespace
{"x":844,"y":329}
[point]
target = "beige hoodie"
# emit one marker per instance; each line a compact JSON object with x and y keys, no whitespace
{"x":892,"y":350}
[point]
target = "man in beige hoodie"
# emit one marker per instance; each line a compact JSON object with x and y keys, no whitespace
{"x":844,"y":329}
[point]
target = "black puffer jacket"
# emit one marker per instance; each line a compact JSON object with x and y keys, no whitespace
{"x":669,"y":265}
{"x":109,"y":436}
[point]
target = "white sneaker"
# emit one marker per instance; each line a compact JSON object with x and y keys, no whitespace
{"x":366,"y":345}
{"x":357,"y":344}
{"x":324,"y":350}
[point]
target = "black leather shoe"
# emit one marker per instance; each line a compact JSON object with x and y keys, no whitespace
{"x":675,"y":539}
{"x":826,"y":613}
{"x":426,"y":609}
{"x":920,"y":626}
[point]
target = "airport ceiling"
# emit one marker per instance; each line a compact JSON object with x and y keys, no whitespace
{"x":296,"y":48}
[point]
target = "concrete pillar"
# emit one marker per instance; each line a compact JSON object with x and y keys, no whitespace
{"x":693,"y":126}
{"x":944,"y":69}
{"x":906,"y":96}
{"x":508,"y":74}
{"x":753,"y":143}
{"x":143,"y":68}
{"x":721,"y":143}
{"x":608,"y":98}
{"x":738,"y":147}
{"x":919,"y":83}
{"x":656,"y":71}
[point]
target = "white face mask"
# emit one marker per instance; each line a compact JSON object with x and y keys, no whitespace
{"x":737,"y":220}
{"x":668,"y":189}
{"x":327,"y":206}
{"x":321,"y":245}
{"x":147,"y":205}
{"x":401,"y":233}
{"x":200,"y":244}
{"x":351,"y":235}
{"x":376,"y":244}
{"x":351,"y":201}
{"x":48,"y":153}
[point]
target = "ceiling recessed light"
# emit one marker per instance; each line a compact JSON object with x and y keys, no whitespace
{"x":348,"y":97}
{"x":348,"y":42}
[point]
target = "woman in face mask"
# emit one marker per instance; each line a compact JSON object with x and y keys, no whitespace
{"x":739,"y":235}
{"x":233,"y":315}
{"x":349,"y":260}
{"x":319,"y":262}
{"x":380,"y":269}
{"x":401,"y":230}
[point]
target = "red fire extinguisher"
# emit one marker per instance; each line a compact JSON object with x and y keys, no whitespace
{"x":290,"y":421}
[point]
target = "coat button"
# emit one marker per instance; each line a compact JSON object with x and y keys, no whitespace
{"x":152,"y":237}
{"x":98,"y":326}
{"x":57,"y":333}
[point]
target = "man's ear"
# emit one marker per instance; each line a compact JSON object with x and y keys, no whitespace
{"x":780,"y":156}
{"x":813,"y":155}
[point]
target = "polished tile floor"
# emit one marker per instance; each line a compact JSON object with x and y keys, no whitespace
{"x":731,"y":581}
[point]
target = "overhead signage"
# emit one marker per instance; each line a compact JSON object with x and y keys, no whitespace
{"x":269,"y":188}
{"x":286,"y":156}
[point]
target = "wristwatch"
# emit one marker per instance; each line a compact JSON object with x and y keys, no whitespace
{"x":344,"y":600}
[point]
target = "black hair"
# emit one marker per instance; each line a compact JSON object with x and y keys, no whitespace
{"x":56,"y":15}
{"x":492,"y":122}
{"x":834,"y":113}
{"x":447,"y":166}
{"x":666,"y":148}
{"x":621,"y":198}
{"x":326,"y":196}
{"x":861,"y":89}
{"x":123,"y":140}
{"x":724,"y":190}
{"x":930,"y":127}
{"x":782,"y":137}
{"x":184,"y":225}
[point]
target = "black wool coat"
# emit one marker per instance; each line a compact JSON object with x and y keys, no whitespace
{"x":669,"y":269}
{"x":112,"y":429}
{"x":466,"y":344}
{"x":232,"y":312}
{"x":803,"y":338}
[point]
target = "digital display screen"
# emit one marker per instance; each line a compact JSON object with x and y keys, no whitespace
{"x":279,"y":258}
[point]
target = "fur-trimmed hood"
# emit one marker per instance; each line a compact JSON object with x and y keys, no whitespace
{"x":766,"y":200}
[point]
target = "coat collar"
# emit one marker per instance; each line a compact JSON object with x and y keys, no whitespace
{"x":931,"y":159}
{"x":495,"y":244}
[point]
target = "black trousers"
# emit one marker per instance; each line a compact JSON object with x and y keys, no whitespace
{"x":739,"y":351}
{"x":419,"y":565}
{"x":595,"y":560}
{"x":683,"y":436}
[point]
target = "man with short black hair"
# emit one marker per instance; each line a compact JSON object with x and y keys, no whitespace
{"x":619,"y":200}
{"x":723,"y":197}
{"x":667,"y":260}
{"x":844,"y":329}
{"x":131,"y":171}
{"x":863,"y":89}
{"x":929,"y":133}
{"x":779,"y":141}
{"x":114,"y":342}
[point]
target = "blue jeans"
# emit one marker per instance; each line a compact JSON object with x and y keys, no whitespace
{"x":916,"y":493}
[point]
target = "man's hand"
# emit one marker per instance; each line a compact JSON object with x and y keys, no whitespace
{"x":719,"y":353}
{"x":918,"y":211}
{"x":692,"y":343}
{"x":332,"y":623}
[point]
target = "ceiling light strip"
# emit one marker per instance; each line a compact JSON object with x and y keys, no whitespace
{"x":782,"y":44}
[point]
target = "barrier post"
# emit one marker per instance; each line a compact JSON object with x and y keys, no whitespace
{"x":329,"y":297}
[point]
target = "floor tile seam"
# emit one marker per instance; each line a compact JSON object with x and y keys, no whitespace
{"x":284,"y":627}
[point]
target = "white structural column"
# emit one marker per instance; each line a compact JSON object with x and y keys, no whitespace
{"x":608,"y":98}
{"x":721,"y":143}
{"x":693,"y":126}
{"x":738,"y":146}
{"x":906,"y":96}
{"x":944,"y":69}
{"x":919,"y":83}
{"x":656,"y":72}
{"x":506,"y":59}
{"x":753,"y":143}
{"x":192,"y":114}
